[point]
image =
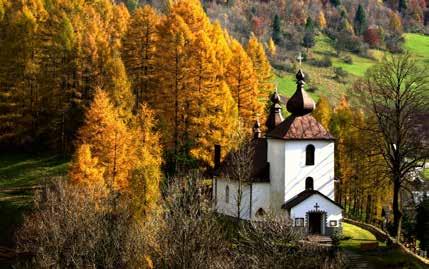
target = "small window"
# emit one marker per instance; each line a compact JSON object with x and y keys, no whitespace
{"x":309,"y":184}
{"x":333,"y":223}
{"x":227,"y":194}
{"x":260,"y":212}
{"x":299,"y":222}
{"x":309,"y":155}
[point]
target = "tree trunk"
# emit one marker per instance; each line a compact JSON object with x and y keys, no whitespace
{"x":397,"y":214}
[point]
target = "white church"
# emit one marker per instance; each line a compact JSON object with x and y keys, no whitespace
{"x":292,"y":173}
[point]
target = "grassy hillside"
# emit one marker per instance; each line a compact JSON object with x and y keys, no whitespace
{"x":20,"y":174}
{"x":322,"y":78}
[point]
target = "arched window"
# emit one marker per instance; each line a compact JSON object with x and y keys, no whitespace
{"x":260,"y":212}
{"x":309,"y":184}
{"x":227,"y":194}
{"x":309,"y":155}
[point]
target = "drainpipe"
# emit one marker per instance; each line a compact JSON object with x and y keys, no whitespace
{"x":250,"y":204}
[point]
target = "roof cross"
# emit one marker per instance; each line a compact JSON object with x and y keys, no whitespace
{"x":316,"y":206}
{"x":300,"y":58}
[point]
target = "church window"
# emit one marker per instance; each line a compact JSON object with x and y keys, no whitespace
{"x":309,"y":183}
{"x":227,"y":194}
{"x":309,"y":155}
{"x":333,"y":223}
{"x":299,"y":222}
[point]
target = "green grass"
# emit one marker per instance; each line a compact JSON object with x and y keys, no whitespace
{"x":24,"y":170}
{"x":357,"y":236}
{"x":418,"y":45}
{"x":381,"y":258}
{"x":18,"y":173}
{"x":323,"y":78}
{"x":426,"y":173}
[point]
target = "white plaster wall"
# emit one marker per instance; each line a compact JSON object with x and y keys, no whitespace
{"x":333,"y":212}
{"x":276,"y":157}
{"x":230,"y":208}
{"x":296,"y":171}
{"x":260,"y":198}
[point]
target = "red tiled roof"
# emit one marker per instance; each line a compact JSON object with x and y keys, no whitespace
{"x":300,"y":127}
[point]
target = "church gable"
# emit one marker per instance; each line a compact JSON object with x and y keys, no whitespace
{"x":300,"y":198}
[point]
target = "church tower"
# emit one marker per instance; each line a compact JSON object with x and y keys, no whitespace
{"x":303,"y":149}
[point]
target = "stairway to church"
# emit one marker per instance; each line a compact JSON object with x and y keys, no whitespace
{"x":356,"y":261}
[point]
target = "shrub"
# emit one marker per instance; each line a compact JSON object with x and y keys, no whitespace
{"x":348,"y":59}
{"x":324,"y":62}
{"x":274,"y":243}
{"x":71,"y":227}
{"x":340,"y":74}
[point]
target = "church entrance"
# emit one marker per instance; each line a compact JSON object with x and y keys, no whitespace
{"x":315,"y":222}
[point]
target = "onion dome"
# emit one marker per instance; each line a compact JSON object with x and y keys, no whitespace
{"x":275,"y":117}
{"x":300,"y":103}
{"x":257,"y":130}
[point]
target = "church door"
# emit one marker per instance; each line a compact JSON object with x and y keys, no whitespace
{"x":315,"y":222}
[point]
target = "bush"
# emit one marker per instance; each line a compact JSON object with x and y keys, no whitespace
{"x":324,"y":62}
{"x":274,"y":243}
{"x":312,"y":89}
{"x":72,"y":227}
{"x":348,"y":59}
{"x":340,"y":74}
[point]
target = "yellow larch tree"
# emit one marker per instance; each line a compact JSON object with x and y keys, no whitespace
{"x":242,"y":81}
{"x":146,"y":177}
{"x":220,"y":46}
{"x":272,"y":49}
{"x":193,"y":14}
{"x":323,"y":111}
{"x":261,"y":66}
{"x":109,"y":139}
{"x":213,"y":116}
{"x":173,"y":94}
{"x":118,"y":87}
{"x":321,"y":20}
{"x":138,"y":53}
{"x":86,"y":170}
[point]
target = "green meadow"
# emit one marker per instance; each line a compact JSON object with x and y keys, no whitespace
{"x":322,"y":79}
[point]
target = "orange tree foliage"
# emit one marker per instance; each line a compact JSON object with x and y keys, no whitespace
{"x":109,"y":140}
{"x":261,"y":66}
{"x":138,"y":52}
{"x":242,"y":81}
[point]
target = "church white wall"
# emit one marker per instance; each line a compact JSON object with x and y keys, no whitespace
{"x":260,"y":198}
{"x":333,"y":212}
{"x":230,"y":208}
{"x":276,"y":157}
{"x":296,"y":171}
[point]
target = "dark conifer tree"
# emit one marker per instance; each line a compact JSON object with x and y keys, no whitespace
{"x":276,"y":30}
{"x":360,"y":23}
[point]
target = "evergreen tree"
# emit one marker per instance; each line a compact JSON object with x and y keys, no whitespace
{"x":360,"y":23}
{"x":277,"y":32}
{"x":402,"y":5}
{"x":335,"y":3}
{"x":309,"y":25}
{"x":423,"y":223}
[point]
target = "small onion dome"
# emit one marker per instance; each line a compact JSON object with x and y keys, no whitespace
{"x":275,"y":117}
{"x":257,"y":130}
{"x":300,"y":103}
